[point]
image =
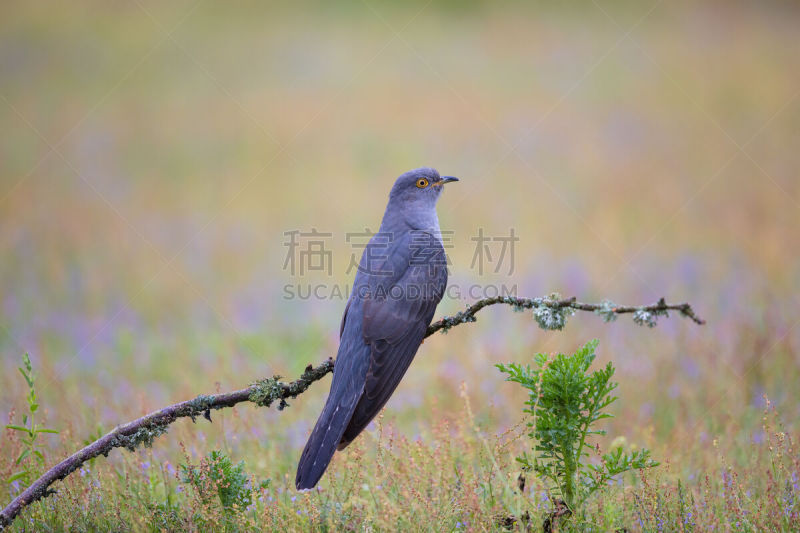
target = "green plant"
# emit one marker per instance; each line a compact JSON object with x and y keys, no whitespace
{"x":565,"y":402}
{"x":29,"y":427}
{"x":217,"y":473}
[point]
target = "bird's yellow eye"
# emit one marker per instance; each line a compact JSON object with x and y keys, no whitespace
{"x":422,"y":183}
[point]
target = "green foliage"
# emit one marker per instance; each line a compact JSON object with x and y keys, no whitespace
{"x":566,"y":402}
{"x":29,"y":428}
{"x":217,"y":474}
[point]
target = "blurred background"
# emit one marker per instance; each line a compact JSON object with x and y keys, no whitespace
{"x":156,"y":159}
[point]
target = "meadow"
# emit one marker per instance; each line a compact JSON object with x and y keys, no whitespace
{"x":158,"y":158}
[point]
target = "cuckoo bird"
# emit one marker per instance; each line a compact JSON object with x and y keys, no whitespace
{"x":401,"y":278}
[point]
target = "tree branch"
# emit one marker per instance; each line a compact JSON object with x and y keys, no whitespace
{"x":549,"y":312}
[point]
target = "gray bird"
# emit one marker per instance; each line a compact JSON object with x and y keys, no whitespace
{"x":400,"y":280}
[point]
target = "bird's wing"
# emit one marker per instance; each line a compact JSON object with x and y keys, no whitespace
{"x":344,"y":317}
{"x":397,"y":312}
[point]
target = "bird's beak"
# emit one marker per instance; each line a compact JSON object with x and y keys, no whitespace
{"x":447,"y":179}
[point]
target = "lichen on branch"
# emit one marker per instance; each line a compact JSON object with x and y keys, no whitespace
{"x":551,"y":312}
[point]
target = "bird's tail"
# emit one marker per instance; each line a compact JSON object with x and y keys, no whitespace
{"x":323,"y":441}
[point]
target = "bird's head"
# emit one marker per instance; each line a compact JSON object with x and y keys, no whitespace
{"x":419,"y":187}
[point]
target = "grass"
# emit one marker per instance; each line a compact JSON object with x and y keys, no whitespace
{"x":143,"y":264}
{"x":456,"y":476}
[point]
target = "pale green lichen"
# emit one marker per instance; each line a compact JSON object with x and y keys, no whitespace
{"x":649,"y":317}
{"x":517,"y":304}
{"x":549,"y":315}
{"x":607,"y":311}
{"x":644,"y":318}
{"x":552,"y":318}
{"x":143,"y":436}
{"x":266,"y":391}
{"x":202,"y":404}
{"x":462,"y":317}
